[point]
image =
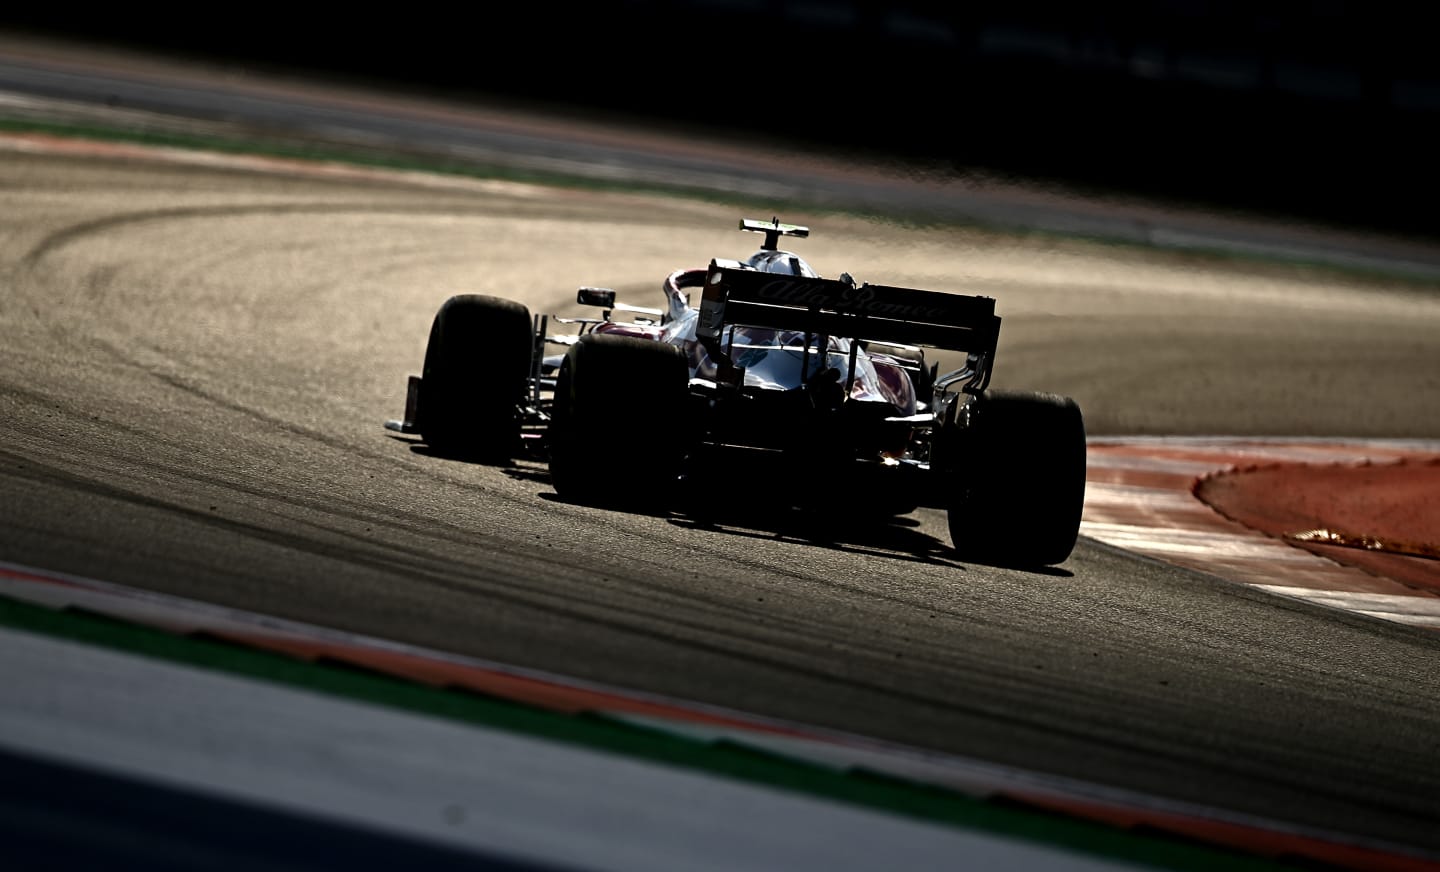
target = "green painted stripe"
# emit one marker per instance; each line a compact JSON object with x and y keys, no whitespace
{"x":607,"y":735}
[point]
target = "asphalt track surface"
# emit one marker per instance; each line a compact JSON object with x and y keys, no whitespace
{"x":196,"y":362}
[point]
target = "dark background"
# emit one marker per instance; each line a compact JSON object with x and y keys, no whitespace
{"x":1316,"y":110}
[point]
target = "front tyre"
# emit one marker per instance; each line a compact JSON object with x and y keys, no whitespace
{"x":1017,"y":490}
{"x":477,"y":363}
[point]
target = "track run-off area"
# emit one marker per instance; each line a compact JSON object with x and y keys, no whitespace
{"x":199,"y":350}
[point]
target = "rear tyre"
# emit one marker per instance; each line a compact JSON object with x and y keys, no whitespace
{"x":620,"y":405}
{"x":1017,"y":482}
{"x":477,"y":362}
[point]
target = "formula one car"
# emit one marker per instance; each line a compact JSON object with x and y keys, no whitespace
{"x":801,"y":390}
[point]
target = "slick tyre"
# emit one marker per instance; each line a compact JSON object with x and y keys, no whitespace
{"x":1017,"y":497}
{"x":618,"y":398}
{"x":477,"y":361}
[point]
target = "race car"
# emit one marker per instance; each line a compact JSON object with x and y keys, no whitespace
{"x":794,"y":389}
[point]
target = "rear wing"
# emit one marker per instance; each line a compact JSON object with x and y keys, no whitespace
{"x":734,"y":295}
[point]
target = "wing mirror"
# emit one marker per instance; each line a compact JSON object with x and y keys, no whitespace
{"x":602,"y":297}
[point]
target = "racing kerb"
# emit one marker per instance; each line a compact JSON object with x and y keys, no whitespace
{"x":838,"y":752}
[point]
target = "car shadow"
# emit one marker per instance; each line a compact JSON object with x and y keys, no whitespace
{"x":896,"y":537}
{"x":424,"y":449}
{"x":890,"y":537}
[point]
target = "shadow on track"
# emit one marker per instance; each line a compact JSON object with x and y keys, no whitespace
{"x":421,"y":448}
{"x":858,"y":529}
{"x":854,"y":530}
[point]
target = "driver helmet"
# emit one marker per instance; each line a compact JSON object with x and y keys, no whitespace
{"x":783,"y":262}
